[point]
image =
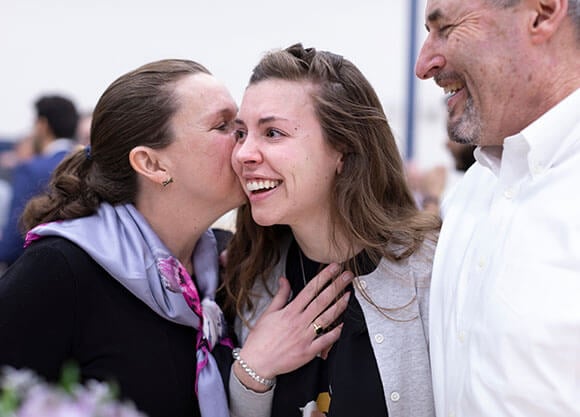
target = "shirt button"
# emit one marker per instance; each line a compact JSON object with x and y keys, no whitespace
{"x":379,"y":338}
{"x":537,"y":168}
{"x":363,"y":284}
{"x":395,"y":396}
{"x":461,"y":336}
{"x":509,"y":193}
{"x":451,"y":414}
{"x":481,"y":263}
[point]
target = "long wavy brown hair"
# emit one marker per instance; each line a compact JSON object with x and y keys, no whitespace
{"x":371,"y":202}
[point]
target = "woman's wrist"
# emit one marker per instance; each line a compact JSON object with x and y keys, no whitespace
{"x":249,"y":377}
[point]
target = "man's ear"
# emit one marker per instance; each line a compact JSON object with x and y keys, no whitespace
{"x":547,"y":18}
{"x":146,"y":163}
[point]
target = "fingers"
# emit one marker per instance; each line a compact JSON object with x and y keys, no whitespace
{"x":329,"y":316}
{"x":325,"y":352}
{"x":281,"y":297}
{"x":325,"y":342}
{"x":223,"y":258}
{"x":329,"y":295}
{"x":284,"y":339}
{"x":310,"y":291}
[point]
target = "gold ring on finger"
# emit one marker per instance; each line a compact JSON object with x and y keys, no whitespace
{"x":317,"y":328}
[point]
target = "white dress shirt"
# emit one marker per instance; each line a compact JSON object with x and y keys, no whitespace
{"x":505,"y":295}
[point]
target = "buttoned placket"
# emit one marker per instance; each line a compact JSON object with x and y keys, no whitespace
{"x":473,"y":286}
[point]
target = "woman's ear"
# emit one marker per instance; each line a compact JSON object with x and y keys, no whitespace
{"x":145,"y":162}
{"x":547,"y":18}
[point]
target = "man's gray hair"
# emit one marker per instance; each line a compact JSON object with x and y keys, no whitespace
{"x":573,"y":10}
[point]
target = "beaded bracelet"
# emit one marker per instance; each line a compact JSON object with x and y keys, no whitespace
{"x":250,"y":371}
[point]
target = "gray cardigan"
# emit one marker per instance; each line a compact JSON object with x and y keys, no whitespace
{"x":398,"y":334}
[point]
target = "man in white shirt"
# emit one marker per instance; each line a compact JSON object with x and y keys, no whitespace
{"x":505,"y":297}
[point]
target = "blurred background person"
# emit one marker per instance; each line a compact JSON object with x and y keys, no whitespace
{"x":6,"y":150}
{"x":6,"y":147}
{"x":5,"y":197}
{"x":12,"y":152}
{"x":431,"y":186}
{"x":436,"y":183}
{"x":50,"y":140}
{"x":83,"y":133}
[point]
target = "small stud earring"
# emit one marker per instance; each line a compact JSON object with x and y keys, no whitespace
{"x":168,"y":181}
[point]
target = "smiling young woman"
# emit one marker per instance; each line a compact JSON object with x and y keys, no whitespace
{"x":325,"y":185}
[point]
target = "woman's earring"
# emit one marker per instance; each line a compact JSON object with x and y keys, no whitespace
{"x":168,"y":181}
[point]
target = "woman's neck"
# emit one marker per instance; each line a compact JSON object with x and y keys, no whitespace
{"x":178,"y":234}
{"x":179,"y":240}
{"x":319,"y":245}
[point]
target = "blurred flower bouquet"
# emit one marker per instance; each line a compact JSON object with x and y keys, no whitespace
{"x":24,"y":394}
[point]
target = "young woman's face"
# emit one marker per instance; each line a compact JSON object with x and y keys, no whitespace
{"x":284,"y":164}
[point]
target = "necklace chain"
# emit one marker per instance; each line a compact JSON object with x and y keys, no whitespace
{"x":302,"y":266}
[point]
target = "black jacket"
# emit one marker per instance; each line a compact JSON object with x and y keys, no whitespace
{"x":57,"y":304}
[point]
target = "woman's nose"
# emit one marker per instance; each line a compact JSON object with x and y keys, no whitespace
{"x":247,"y":151}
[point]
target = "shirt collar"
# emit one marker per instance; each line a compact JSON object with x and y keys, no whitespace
{"x":539,"y":143}
{"x":58,"y":145}
{"x":489,"y":157}
{"x":548,"y":136}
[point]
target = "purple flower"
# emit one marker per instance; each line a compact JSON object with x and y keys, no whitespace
{"x":32,"y":397}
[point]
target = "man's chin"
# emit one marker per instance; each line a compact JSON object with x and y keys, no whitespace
{"x":463,"y":133}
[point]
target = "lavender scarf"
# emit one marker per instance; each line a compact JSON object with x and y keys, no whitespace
{"x":120,"y":240}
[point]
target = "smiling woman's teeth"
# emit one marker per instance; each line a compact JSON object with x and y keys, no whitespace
{"x":262,"y":185}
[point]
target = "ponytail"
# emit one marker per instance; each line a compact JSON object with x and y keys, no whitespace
{"x":69,"y":193}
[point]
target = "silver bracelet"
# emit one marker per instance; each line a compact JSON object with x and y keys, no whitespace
{"x":250,"y":371}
